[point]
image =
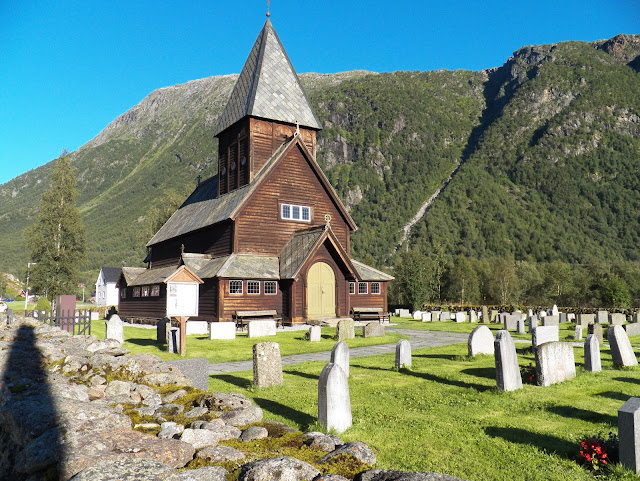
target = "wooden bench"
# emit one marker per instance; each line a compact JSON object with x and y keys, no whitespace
{"x":242,"y":318}
{"x":369,"y":314}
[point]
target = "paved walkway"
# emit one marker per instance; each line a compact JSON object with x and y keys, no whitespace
{"x":418,"y":340}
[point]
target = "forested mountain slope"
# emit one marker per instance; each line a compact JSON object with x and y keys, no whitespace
{"x":548,"y":147}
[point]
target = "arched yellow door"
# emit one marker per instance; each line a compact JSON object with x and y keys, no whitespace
{"x":321,"y":291}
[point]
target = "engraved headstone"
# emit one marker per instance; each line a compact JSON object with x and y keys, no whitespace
{"x":578,"y":333}
{"x":617,"y":318}
{"x":480,"y":341}
{"x":373,"y":329}
{"x":161,"y":330}
{"x":173,"y":340}
{"x":222,"y":330}
{"x":261,"y":328}
{"x":621,"y":351}
{"x":585,"y":319}
{"x":340,"y":356}
{"x":267,"y":364}
{"x":315,"y":334}
{"x":507,"y":369}
{"x":485,"y":315}
{"x":551,"y":320}
{"x":460,"y":317}
{"x":345,"y":330}
{"x":115,"y":329}
{"x":544,"y":334}
{"x":403,"y":354}
{"x":592,"y":361}
{"x":629,"y":434}
{"x":426,"y":317}
{"x":554,"y":363}
{"x":602,"y":317}
{"x":334,"y":403}
{"x":596,"y":330}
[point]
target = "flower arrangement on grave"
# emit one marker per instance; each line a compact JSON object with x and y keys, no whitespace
{"x":598,"y":451}
{"x":528,"y":374}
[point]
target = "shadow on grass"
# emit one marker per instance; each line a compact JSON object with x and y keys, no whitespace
{"x":442,"y":380}
{"x":302,"y":374}
{"x":371,"y":368}
{"x":618,"y":396}
{"x":583,"y":414}
{"x":298,"y":417}
{"x":484,"y":372}
{"x":449,"y":357}
{"x":550,"y":444}
{"x":627,"y":379}
{"x":235,"y":380}
{"x":145,"y":342}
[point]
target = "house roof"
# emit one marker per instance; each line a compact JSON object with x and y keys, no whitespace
{"x":130,"y":273}
{"x":247,"y":266}
{"x":111,"y":274}
{"x":368,"y":273}
{"x":268,"y":87}
{"x":150,"y":276}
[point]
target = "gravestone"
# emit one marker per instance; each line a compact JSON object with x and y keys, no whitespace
{"x":267,"y":364}
{"x":585,"y":319}
{"x":635,"y":317}
{"x":173,"y":340}
{"x":562,"y":317}
{"x":510,"y":321}
{"x":480,"y":342}
{"x":10,"y":316}
{"x":403,"y":354}
{"x":533,"y":323}
{"x":161,"y":330}
{"x":404,"y":313}
{"x":571,"y":317}
{"x":315,"y":334}
{"x":196,"y":369}
{"x":551,"y":321}
{"x":621,"y":351}
{"x":554,"y":363}
{"x":542,"y":314}
{"x":602,"y":317}
{"x":334,"y":404}
{"x":473,"y":316}
{"x":554,"y":310}
{"x":485,"y":315}
{"x":340,"y":356}
{"x":520,"y":329}
{"x":115,"y":329}
{"x":426,"y":317}
{"x":629,"y":434}
{"x":222,"y":331}
{"x":592,"y":354}
{"x":578,"y":333}
{"x":617,"y":319}
{"x":544,"y":334}
{"x":445,"y":316}
{"x":460,"y":317}
{"x":345,"y":330}
{"x":197,"y":327}
{"x":507,"y":370}
{"x":417,"y":315}
{"x":529,"y":313}
{"x":493,"y":315}
{"x":435,"y":316}
{"x":261,"y":328}
{"x":373,"y":329}
{"x":596,"y":330}
{"x":632,"y":329}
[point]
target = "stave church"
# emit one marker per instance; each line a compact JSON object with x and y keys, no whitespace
{"x":268,"y":232}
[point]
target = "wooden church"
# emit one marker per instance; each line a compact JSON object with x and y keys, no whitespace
{"x":268,"y":232}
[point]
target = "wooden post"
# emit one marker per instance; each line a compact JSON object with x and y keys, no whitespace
{"x":183,"y":335}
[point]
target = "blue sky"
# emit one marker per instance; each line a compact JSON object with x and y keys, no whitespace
{"x":68,"y":68}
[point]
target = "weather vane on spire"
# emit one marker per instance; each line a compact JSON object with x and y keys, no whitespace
{"x":268,"y":7}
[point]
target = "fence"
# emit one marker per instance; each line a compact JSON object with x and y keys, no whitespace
{"x":72,"y":321}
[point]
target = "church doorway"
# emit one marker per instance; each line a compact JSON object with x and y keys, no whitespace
{"x":321,"y":291}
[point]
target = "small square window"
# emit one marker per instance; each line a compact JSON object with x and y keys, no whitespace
{"x":136,"y":292}
{"x":235,"y":287}
{"x":253,"y":287}
{"x":286,"y":211}
{"x":270,"y":287}
{"x":352,"y":287}
{"x":375,"y":288}
{"x":145,"y":291}
{"x":155,"y":290}
{"x":362,"y":288}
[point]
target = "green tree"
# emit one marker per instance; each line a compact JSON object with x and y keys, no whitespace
{"x":463,"y":285}
{"x":3,"y":285}
{"x":57,"y":238}
{"x":615,"y":293}
{"x":412,"y":287}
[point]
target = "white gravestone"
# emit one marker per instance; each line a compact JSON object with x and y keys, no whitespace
{"x":417,"y":315}
{"x":507,"y":370}
{"x":480,"y":342}
{"x":426,"y":317}
{"x":621,"y":351}
{"x":554,"y":363}
{"x":592,"y":361}
{"x":340,"y":356}
{"x":334,"y":403}
{"x":315,"y":334}
{"x":544,"y":334}
{"x":403,"y":354}
{"x":261,"y":328}
{"x":222,"y":330}
{"x":115,"y":328}
{"x":197,"y":327}
{"x":460,"y":317}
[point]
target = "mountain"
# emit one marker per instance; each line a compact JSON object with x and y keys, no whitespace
{"x":539,"y":159}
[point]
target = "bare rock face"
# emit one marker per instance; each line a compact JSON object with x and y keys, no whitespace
{"x":128,"y":470}
{"x":208,"y":473}
{"x":242,"y":416}
{"x":282,"y":468}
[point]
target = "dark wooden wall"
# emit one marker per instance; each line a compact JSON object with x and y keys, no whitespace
{"x":153,"y":307}
{"x":259,"y":229}
{"x":248,"y":302}
{"x":369,"y":300}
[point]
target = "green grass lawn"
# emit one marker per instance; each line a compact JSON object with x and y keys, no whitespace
{"x":445,"y":414}
{"x":241,"y":349}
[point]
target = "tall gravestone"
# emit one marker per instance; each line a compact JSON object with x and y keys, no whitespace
{"x":621,"y":351}
{"x":345,"y":330}
{"x":340,"y":356}
{"x":532,"y":323}
{"x":596,"y":330}
{"x":173,"y":340}
{"x":480,"y":342}
{"x":115,"y":328}
{"x":473,"y":315}
{"x":161,"y":330}
{"x":485,"y":315}
{"x":592,"y":361}
{"x":554,"y":363}
{"x":267,"y":364}
{"x":635,"y":317}
{"x":507,"y":370}
{"x":521,"y":329}
{"x":554,"y":310}
{"x":403,"y":354}
{"x":334,"y":403}
{"x":578,"y":333}
{"x":629,"y":434}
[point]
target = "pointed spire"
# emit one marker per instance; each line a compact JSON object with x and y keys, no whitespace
{"x":268,"y":87}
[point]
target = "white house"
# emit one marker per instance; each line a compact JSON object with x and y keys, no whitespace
{"x":106,"y":291}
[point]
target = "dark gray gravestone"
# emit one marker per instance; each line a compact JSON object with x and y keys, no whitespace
{"x":592,"y":354}
{"x":161,"y":330}
{"x":621,"y":351}
{"x":403,"y":354}
{"x":629,"y":434}
{"x":267,"y":364}
{"x":196,"y":369}
{"x":507,"y":370}
{"x":554,"y":363}
{"x":340,"y":356}
{"x":511,"y":321}
{"x":334,"y":403}
{"x":173,"y":340}
{"x":635,"y":317}
{"x":596,"y":330}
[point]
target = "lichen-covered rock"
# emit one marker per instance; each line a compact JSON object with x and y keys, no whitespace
{"x":220,"y":454}
{"x":220,"y":401}
{"x":224,"y":431}
{"x":357,"y":449}
{"x":281,"y":469}
{"x":254,"y":432}
{"x":174,"y":396}
{"x":169,"y":430}
{"x":330,"y":477}
{"x":199,"y":438}
{"x":390,"y":475}
{"x":323,"y":442}
{"x":208,"y":473}
{"x":242,"y":416}
{"x":103,"y":344}
{"x":128,"y":470}
{"x":196,"y":412}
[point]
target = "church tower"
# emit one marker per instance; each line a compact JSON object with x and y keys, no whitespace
{"x":265,"y":109}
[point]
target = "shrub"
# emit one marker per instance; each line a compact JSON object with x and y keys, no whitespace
{"x":528,"y":374}
{"x":43,"y":304}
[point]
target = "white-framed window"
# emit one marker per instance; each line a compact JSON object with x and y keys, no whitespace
{"x":253,"y":287}
{"x":145,"y":291}
{"x":235,"y":287}
{"x":352,"y":287}
{"x":136,"y":292}
{"x":375,"y":288}
{"x":270,"y":288}
{"x":155,"y":290}
{"x":300,"y":213}
{"x":362,"y":288}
